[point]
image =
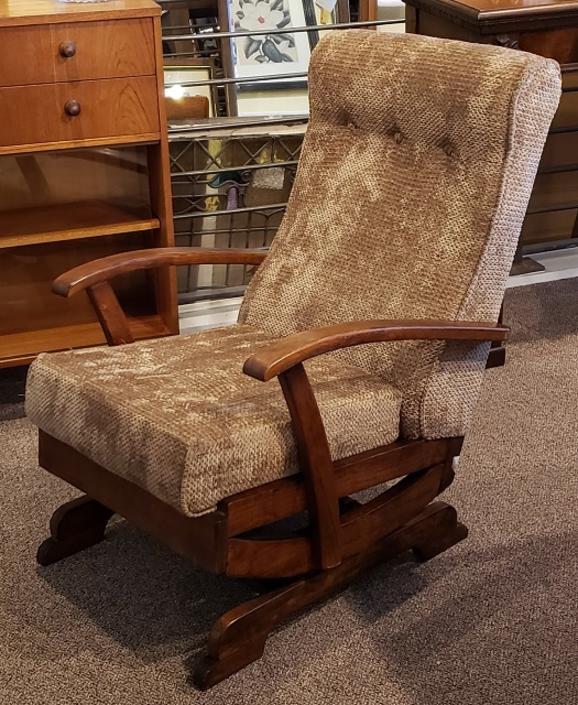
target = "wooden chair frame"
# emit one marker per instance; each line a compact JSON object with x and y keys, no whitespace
{"x":343,"y":537}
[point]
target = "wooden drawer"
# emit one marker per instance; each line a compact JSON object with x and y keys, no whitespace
{"x":561,"y":150}
{"x":115,"y":107}
{"x":38,"y":54}
{"x":548,"y":227}
{"x":567,"y":114}
{"x":555,"y":190}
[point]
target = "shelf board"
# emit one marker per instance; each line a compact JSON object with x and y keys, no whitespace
{"x":72,"y":221}
{"x":151,"y":138}
{"x":21,"y":348}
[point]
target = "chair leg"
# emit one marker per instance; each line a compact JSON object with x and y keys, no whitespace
{"x":74,"y":526}
{"x":450,"y":532}
{"x":238,"y":637}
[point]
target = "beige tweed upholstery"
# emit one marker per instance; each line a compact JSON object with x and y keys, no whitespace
{"x":413,"y":181}
{"x":178,"y":417}
{"x":414,"y":178}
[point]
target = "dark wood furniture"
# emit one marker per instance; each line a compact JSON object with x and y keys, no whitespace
{"x":84,"y":167}
{"x":548,"y":28}
{"x":343,"y":538}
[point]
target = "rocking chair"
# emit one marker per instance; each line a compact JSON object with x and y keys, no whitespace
{"x":359,"y":352}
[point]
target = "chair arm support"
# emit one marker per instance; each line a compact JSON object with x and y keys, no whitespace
{"x":280,"y":356}
{"x":101,"y":270}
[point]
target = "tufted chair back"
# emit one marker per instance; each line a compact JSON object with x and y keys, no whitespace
{"x":414,"y":179}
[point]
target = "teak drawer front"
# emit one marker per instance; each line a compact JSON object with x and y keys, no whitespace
{"x":567,"y":114}
{"x":561,"y":150}
{"x":76,"y":51}
{"x":110,"y":108}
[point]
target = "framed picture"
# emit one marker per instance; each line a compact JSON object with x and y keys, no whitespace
{"x":278,"y":53}
{"x":188,"y":102}
{"x":273,"y":55}
{"x":317,"y":13}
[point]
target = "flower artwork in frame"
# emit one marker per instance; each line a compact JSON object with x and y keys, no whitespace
{"x":271,"y":55}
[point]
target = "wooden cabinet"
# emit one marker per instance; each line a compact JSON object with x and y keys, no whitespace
{"x":548,"y":28}
{"x":83,"y":110}
{"x":77,"y":51}
{"x":84,"y":167}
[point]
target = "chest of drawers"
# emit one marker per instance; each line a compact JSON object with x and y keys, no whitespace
{"x":548,"y":28}
{"x":84,"y":166}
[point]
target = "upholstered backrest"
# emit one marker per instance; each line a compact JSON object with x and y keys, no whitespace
{"x":414,"y":178}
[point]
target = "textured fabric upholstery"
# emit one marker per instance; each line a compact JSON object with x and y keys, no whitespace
{"x":413,"y":181}
{"x":414,"y":178}
{"x":178,"y":417}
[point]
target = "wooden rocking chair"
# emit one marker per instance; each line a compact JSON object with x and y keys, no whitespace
{"x":413,"y":182}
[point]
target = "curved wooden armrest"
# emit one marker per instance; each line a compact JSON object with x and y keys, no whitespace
{"x":284,"y":358}
{"x":283,"y":354}
{"x":101,"y":270}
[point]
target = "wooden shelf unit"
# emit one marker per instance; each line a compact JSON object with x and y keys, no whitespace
{"x":22,"y":348}
{"x":72,"y":221}
{"x":90,"y":86}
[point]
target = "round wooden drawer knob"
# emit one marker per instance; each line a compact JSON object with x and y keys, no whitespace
{"x":67,"y":49}
{"x":72,"y":108}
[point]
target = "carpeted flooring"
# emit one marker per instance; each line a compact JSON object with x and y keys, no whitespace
{"x":493,"y":621}
{"x":12,"y":384}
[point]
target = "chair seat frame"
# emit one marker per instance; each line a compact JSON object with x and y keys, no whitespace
{"x":343,"y":537}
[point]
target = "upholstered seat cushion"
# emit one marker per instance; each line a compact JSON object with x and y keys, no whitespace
{"x":178,"y":417}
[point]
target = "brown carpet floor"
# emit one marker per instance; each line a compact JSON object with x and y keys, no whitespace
{"x":492,"y":621}
{"x":12,"y":383}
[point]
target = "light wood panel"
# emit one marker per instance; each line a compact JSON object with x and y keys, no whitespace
{"x":128,"y":140}
{"x":162,"y":199}
{"x":15,"y":13}
{"x":108,"y":108}
{"x":118,"y":175}
{"x":27,"y":302}
{"x":22,"y":348}
{"x":72,"y":221}
{"x":99,"y":50}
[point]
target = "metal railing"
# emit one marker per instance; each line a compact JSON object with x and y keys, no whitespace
{"x":231,"y":176}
